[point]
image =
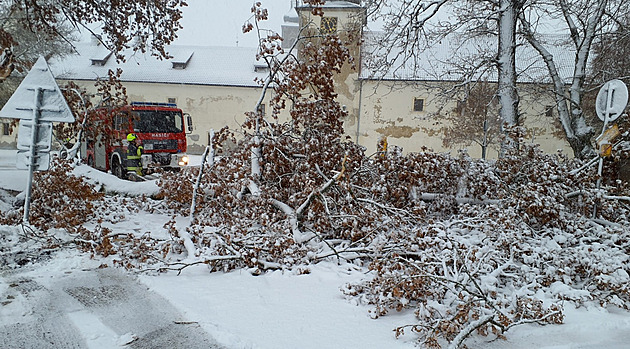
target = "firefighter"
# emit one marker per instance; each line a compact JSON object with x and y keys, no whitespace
{"x":134,"y":154}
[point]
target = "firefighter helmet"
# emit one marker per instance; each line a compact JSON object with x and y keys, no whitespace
{"x":131,"y":137}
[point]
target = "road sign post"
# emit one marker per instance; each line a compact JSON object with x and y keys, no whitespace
{"x":39,"y":100}
{"x":33,"y":150}
{"x":611,"y":101}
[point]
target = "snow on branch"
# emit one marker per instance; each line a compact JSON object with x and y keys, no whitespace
{"x":463,"y":334}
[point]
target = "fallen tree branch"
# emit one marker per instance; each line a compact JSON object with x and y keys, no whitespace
{"x":613,"y":197}
{"x":324,"y":188}
{"x":295,"y":215}
{"x":180,"y":266}
{"x":588,"y":164}
{"x":604,"y":222}
{"x":208,"y":151}
{"x":539,"y":321}
{"x":460,"y":200}
{"x":464,"y":333}
{"x":381,"y":206}
{"x":357,"y":250}
{"x":607,"y":197}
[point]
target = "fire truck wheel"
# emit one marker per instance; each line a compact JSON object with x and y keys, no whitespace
{"x":117,"y":169}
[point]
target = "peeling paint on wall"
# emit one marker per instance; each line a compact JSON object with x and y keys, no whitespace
{"x":351,"y":119}
{"x":398,"y":131}
{"x":341,"y":83}
{"x":378,"y":112}
{"x":195,"y":148}
{"x":192,"y":103}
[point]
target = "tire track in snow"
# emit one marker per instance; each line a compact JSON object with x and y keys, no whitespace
{"x":39,"y":323}
{"x":126,"y":307}
{"x":102,"y":308}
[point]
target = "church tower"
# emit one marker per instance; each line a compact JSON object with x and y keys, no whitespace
{"x":346,"y":19}
{"x":343,"y":18}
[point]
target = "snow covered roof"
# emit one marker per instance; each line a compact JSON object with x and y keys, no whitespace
{"x":334,"y":4}
{"x":198,"y":65}
{"x":446,"y":60}
{"x":451,"y":58}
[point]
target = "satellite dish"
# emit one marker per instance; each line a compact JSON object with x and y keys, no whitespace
{"x":611,"y":100}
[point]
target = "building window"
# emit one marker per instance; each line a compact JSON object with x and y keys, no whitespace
{"x":172,"y":100}
{"x":328,"y":25}
{"x":121,"y":122}
{"x":5,"y":129}
{"x":418,"y":104}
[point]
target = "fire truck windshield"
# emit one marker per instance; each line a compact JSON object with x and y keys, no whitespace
{"x":158,"y":121}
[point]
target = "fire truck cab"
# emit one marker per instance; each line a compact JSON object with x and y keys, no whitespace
{"x":161,"y":127}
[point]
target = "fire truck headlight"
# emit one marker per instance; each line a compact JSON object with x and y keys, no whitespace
{"x":183,"y":161}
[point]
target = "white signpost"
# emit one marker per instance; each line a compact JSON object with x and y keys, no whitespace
{"x":611,"y":101}
{"x":38,"y":102}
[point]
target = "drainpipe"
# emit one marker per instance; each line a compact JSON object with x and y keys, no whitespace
{"x":359,"y":115}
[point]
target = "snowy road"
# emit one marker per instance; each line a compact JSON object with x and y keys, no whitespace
{"x":102,"y":308}
{"x":10,"y":177}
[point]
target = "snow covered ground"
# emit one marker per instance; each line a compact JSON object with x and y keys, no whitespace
{"x":273,"y":310}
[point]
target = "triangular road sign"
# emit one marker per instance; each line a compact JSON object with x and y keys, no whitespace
{"x":52,"y":107}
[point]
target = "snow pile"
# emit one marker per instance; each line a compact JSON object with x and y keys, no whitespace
{"x":469,"y":246}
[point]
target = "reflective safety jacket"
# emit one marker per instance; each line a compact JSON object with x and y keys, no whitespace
{"x":134,"y":156}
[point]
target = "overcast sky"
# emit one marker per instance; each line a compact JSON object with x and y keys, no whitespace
{"x":220,"y":22}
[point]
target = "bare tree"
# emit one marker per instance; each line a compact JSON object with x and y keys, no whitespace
{"x":474,"y":120}
{"x":611,"y":54}
{"x":506,"y":60}
{"x":152,"y":23}
{"x":412,"y":25}
{"x":584,"y":20}
{"x":27,"y":47}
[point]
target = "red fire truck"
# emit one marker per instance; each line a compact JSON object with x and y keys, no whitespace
{"x":162,"y":128}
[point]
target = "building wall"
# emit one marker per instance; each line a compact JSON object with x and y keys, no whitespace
{"x":379,"y":109}
{"x":387,"y":110}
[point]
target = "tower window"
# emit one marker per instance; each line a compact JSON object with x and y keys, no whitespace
{"x":328,"y":25}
